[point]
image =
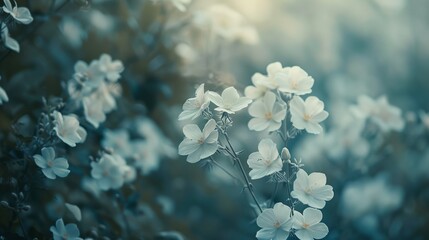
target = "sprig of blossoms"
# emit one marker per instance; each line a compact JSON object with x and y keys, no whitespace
{"x":269,"y":99}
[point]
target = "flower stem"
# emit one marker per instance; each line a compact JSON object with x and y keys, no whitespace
{"x":224,"y":170}
{"x":249,"y":185}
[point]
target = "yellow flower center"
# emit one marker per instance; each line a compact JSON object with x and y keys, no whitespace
{"x":269,"y":115}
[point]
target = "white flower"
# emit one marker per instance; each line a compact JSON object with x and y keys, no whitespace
{"x":93,"y":110}
{"x":266,"y":161}
{"x":230,"y":101}
{"x":312,"y":189}
{"x":294,"y":80}
{"x":160,"y":143}
{"x":68,"y":129}
{"x":386,"y":116}
{"x":193,"y":107}
{"x":111,"y":69}
{"x":275,"y":223}
{"x":144,"y":156}
{"x":51,"y":166}
{"x":118,"y":141}
{"x":73,"y":31}
{"x":90,"y":75}
{"x":7,"y":40}
{"x":267,"y":113}
{"x":269,"y":81}
{"x":110,"y":171}
{"x":20,"y":14}
{"x":259,"y":89}
{"x":199,"y":144}
{"x":3,"y":96}
{"x":67,"y":232}
{"x":224,"y":22}
{"x":307,"y":115}
{"x":308,"y":225}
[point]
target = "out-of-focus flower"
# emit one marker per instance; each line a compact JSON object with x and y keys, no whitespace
{"x":307,"y":115}
{"x":102,"y":22}
{"x":424,"y":117}
{"x":386,"y":116}
{"x":75,"y":210}
{"x":73,"y":32}
{"x":199,"y":144}
{"x":147,"y":129}
{"x":269,"y":80}
{"x":230,"y":101}
{"x":7,"y":40}
{"x":179,"y":4}
{"x":275,"y":223}
{"x":144,"y":156}
{"x":111,"y":69}
{"x":90,"y":75}
{"x":267,"y":113}
{"x":226,"y":23}
{"x":20,"y":14}
{"x":193,"y":107}
{"x":294,"y":80}
{"x":93,"y":110}
{"x":186,"y":53}
{"x":111,"y":171}
{"x":266,"y":161}
{"x":118,"y":141}
{"x":51,"y":166}
{"x":65,"y":232}
{"x":312,"y":189}
{"x":68,"y":129}
{"x":308,"y":225}
{"x":370,"y":196}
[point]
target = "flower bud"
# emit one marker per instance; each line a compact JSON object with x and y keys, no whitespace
{"x":285,"y":154}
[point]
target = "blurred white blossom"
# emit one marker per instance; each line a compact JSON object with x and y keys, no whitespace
{"x":65,"y":232}
{"x":111,"y":171}
{"x":111,"y":68}
{"x":68,"y":129}
{"x":386,"y":116}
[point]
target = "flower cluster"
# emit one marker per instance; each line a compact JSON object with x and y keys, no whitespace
{"x":269,"y":110}
{"x":268,"y":102}
{"x":94,"y":86}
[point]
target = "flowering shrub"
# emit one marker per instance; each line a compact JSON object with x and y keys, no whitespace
{"x":140,"y":119}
